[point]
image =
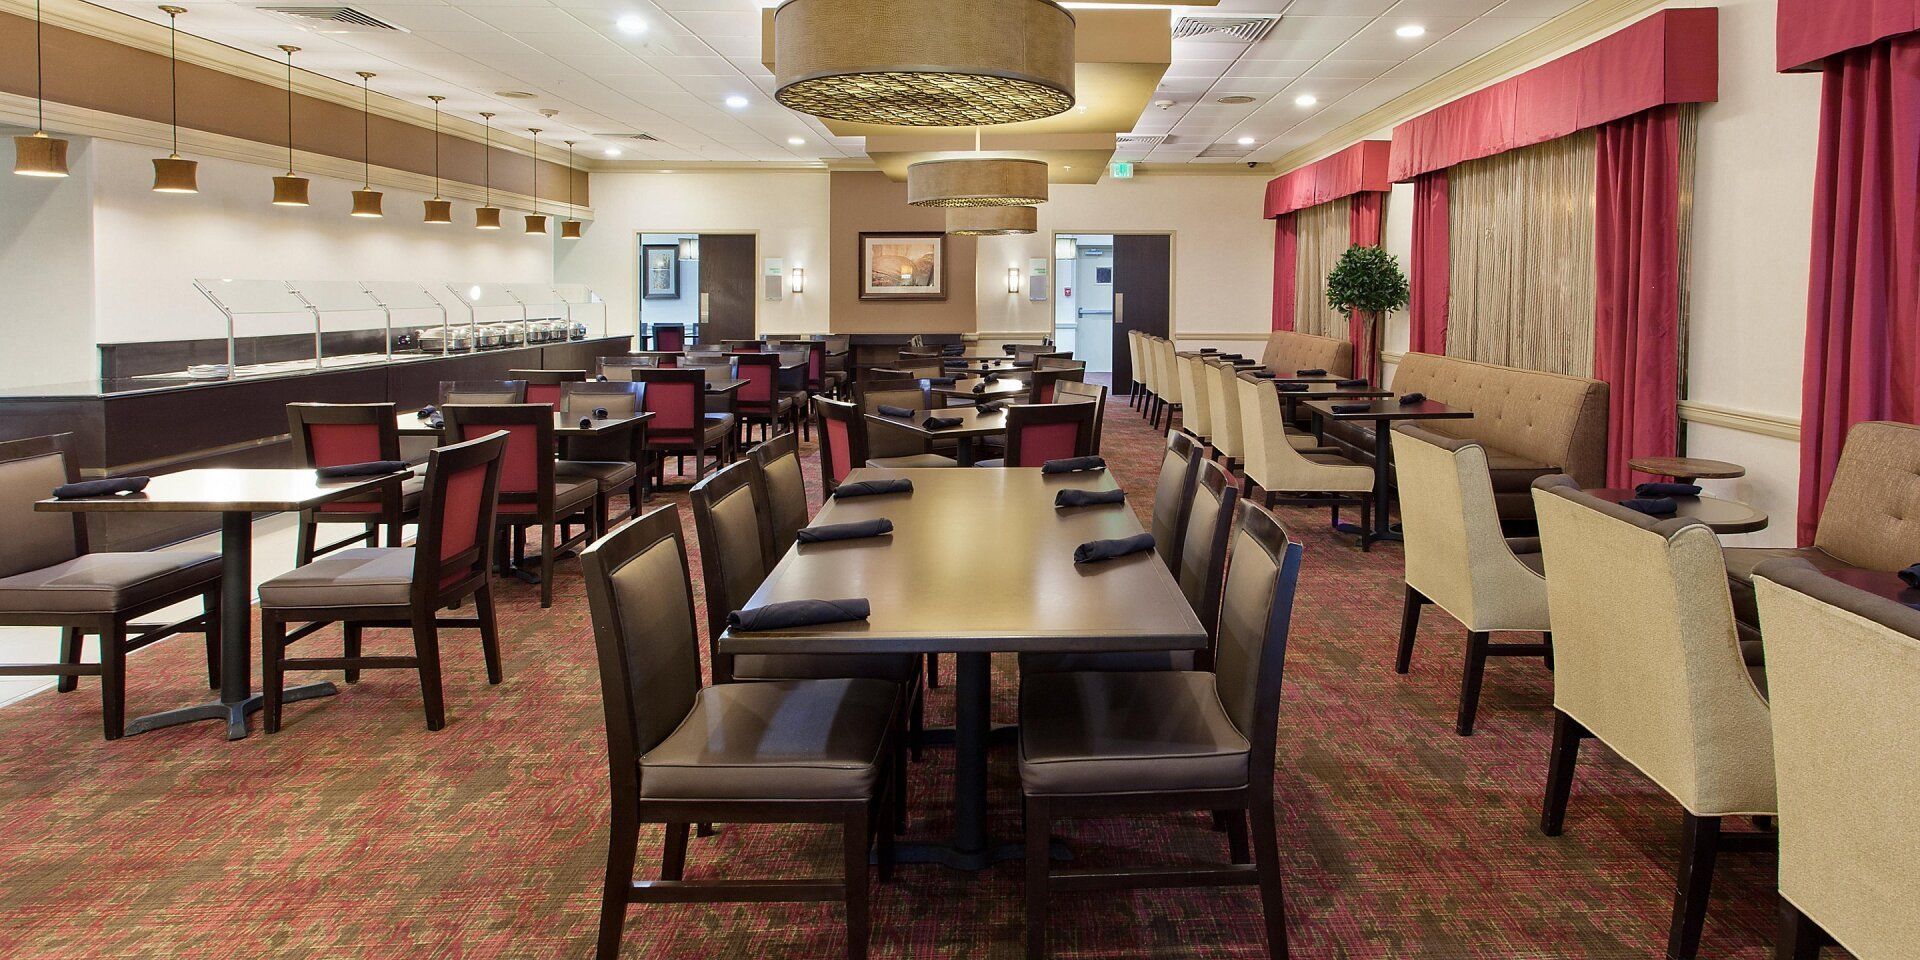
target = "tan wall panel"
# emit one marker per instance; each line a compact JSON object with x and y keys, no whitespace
{"x":869,"y":202}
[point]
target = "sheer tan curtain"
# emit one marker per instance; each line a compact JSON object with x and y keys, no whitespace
{"x":1321,"y":237}
{"x":1522,"y":271}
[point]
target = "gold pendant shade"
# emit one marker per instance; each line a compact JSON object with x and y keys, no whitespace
{"x":570,"y":230}
{"x":174,"y":175}
{"x":290,"y":191}
{"x":486,"y":218}
{"x":992,"y":221}
{"x":38,"y":155}
{"x":986,"y":182}
{"x":438,"y":211}
{"x":921,"y":63}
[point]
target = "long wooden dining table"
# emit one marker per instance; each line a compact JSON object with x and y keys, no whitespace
{"x":979,"y":562}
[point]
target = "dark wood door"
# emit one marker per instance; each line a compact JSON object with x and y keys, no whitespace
{"x":727,"y":273}
{"x":1142,"y":293}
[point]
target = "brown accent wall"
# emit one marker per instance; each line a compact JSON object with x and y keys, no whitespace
{"x":97,"y":74}
{"x":868,"y":201}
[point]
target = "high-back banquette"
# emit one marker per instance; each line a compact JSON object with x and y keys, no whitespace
{"x":1288,"y":351}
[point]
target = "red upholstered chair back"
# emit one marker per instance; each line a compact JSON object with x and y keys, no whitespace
{"x":475,"y":392}
{"x":677,"y":398}
{"x":669,"y":338}
{"x":761,"y":371}
{"x":1040,"y":432}
{"x":753,"y":347}
{"x":546,"y":386}
{"x":816,"y":365}
{"x":526,"y":466}
{"x":332,"y":434}
{"x":843,"y":440}
{"x":453,"y":553}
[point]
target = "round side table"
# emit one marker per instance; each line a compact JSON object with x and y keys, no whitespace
{"x":1687,"y":469}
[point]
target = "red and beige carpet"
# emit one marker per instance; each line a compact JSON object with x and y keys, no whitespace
{"x":356,"y":833}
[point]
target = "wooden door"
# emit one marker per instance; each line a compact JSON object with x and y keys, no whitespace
{"x":1142,"y":294}
{"x":727,"y":273}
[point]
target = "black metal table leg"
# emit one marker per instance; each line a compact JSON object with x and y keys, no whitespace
{"x":964,"y":453}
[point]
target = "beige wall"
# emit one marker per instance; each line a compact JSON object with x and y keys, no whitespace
{"x":869,"y":202}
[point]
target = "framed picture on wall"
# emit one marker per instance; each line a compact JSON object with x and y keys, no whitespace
{"x":903,"y":266}
{"x":660,"y":271}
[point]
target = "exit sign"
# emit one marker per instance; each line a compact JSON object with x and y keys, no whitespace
{"x":1121,"y":169}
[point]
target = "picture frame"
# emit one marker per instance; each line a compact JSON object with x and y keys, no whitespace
{"x":902,"y":266}
{"x":660,"y":271}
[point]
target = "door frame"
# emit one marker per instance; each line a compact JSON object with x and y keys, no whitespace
{"x":635,"y":279}
{"x":1173,"y":271}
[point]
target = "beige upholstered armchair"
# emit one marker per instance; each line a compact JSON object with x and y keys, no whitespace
{"x":1197,"y":415}
{"x":1284,"y":472}
{"x":1647,"y":662}
{"x":1845,"y":698}
{"x":1223,"y":407}
{"x":1459,"y":561}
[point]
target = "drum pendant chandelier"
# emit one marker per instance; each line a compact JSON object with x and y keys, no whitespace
{"x":924,"y":63}
{"x":983,"y":182}
{"x":992,"y":221}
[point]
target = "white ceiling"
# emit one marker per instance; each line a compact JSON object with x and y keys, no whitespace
{"x":673,"y":79}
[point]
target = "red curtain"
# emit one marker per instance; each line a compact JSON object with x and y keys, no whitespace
{"x":1428,"y":309}
{"x":1863,"y":303}
{"x":1284,"y":250}
{"x":1366,"y":210}
{"x":1637,"y":282}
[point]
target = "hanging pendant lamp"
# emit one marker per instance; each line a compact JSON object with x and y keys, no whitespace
{"x":39,"y":155}
{"x":290,"y":190}
{"x":438,"y":210}
{"x":487,"y":217}
{"x":535,"y":222}
{"x":986,"y":182}
{"x":992,"y":221}
{"x":171,"y":174}
{"x":923,"y":63}
{"x":366,"y":200}
{"x":569,"y":228}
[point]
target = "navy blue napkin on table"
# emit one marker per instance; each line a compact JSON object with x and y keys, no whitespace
{"x":1088,"y":498}
{"x":991,"y":377}
{"x":1355,"y":383}
{"x":1315,"y":372}
{"x":941,"y":423}
{"x":1294,"y":387}
{"x":436,"y":421}
{"x":1352,"y":407}
{"x":600,"y":413}
{"x":1910,"y":576}
{"x":845,"y":531}
{"x":1229,"y":356}
{"x":586,"y":423}
{"x":980,"y":388}
{"x":873,"y":488}
{"x":942,"y":381}
{"x":799,"y":613}
{"x":1074,"y":465}
{"x":899,"y":413}
{"x":601,"y":378}
{"x":990,"y":406}
{"x":1413,"y":398}
{"x":1265,"y":374}
{"x":1653,"y":507}
{"x":1209,"y":349}
{"x":1094,"y":551}
{"x":1023,"y":364}
{"x":371,"y":468}
{"x":99,"y":488}
{"x":1667,"y":490}
{"x":427,"y":411}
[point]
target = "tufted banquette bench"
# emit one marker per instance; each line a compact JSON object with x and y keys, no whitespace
{"x":1288,"y":351}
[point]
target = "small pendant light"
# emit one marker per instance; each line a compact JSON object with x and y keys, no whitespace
{"x":438,"y":210}
{"x":487,"y":217}
{"x":366,"y":200}
{"x":536,"y":224}
{"x":171,"y":174}
{"x":39,"y":155}
{"x":570,"y":228}
{"x":290,"y":190}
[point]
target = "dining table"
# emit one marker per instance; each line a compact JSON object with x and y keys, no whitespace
{"x":1719,"y":515}
{"x":962,"y":388}
{"x":974,"y":424}
{"x":1383,"y":413}
{"x":566,"y":426}
{"x":936,"y":586}
{"x":236,"y":495}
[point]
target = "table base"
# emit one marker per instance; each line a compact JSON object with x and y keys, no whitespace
{"x":972,"y":861}
{"x":235,"y":714}
{"x":1390,"y":534}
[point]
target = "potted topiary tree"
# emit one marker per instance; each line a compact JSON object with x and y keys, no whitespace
{"x":1367,"y":280}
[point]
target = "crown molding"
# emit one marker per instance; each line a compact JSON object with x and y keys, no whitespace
{"x":716,"y":166}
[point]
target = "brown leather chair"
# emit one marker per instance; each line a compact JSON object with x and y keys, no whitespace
{"x":397,"y":586}
{"x":336,"y":434}
{"x":622,"y":368}
{"x":612,"y":462}
{"x":530,"y":493}
{"x":1075,"y":391}
{"x":669,"y":336}
{"x":1039,"y":432}
{"x":1043,"y":380}
{"x":1123,"y":744}
{"x":843,"y":444}
{"x":779,"y":461}
{"x":48,"y":578}
{"x":760,"y":399}
{"x":680,"y":754}
{"x":681,"y":425}
{"x":822,"y":379}
{"x":547,"y":386}
{"x":482,"y":392}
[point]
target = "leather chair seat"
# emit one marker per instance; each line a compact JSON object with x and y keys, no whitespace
{"x":778,"y":739}
{"x":363,"y":577}
{"x":917,"y":460}
{"x":569,"y":495}
{"x":410,"y":491}
{"x":106,"y":582}
{"x":1122,"y":662}
{"x":607,"y":473}
{"x":893,"y":668}
{"x":719,"y":427}
{"x":1140,"y":732}
{"x":1740,"y":564}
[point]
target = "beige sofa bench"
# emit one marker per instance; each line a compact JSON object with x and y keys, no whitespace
{"x":1288,"y":351}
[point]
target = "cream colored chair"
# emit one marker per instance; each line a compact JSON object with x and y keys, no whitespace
{"x":1459,"y":561}
{"x":1844,"y":692}
{"x":1136,"y":384}
{"x":1647,"y":661}
{"x":1223,"y":404}
{"x":1149,"y":375}
{"x":1197,"y":416}
{"x":1169,"y":391}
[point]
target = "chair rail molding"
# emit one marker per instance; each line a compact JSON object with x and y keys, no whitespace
{"x":1744,"y":421}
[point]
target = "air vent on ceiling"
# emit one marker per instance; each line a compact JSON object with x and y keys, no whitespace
{"x":1219,"y":151}
{"x":648,"y":137}
{"x":1223,"y":29}
{"x":1138,"y":141}
{"x":333,"y":19}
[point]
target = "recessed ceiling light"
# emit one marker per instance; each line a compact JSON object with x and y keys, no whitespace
{"x":1305,"y":100}
{"x":1234,"y":99}
{"x":797,"y":141}
{"x":1246,"y":141}
{"x":613,"y":151}
{"x":1409,"y":30}
{"x":737,"y":102}
{"x":514,"y":94}
{"x":631,"y":25}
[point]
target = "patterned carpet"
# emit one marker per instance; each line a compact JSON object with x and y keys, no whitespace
{"x":356,"y":833}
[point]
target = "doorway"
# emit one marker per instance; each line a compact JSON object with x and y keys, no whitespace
{"x":1106,"y":285}
{"x":701,"y":281}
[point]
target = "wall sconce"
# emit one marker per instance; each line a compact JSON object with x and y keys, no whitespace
{"x":1013,"y":279}
{"x":799,"y":280}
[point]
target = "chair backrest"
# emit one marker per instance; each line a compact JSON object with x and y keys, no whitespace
{"x":761,"y":371}
{"x":526,"y":468}
{"x":622,"y":368}
{"x":730,"y":515}
{"x":1133,"y":355}
{"x":640,"y":595}
{"x":914,"y":370}
{"x":453,"y":551}
{"x":547,"y":386}
{"x":475,"y":393}
{"x":677,"y":398}
{"x":885,"y":441}
{"x":1074,"y":391}
{"x":1167,"y":367}
{"x":843,"y":440}
{"x":1250,"y":647}
{"x":1457,"y":554}
{"x":816,"y":364}
{"x":786,"y":490}
{"x":1044,"y":380}
{"x":1223,"y":404}
{"x":1052,"y":362}
{"x":1873,"y":507}
{"x":1263,"y":433}
{"x":620,"y":399}
{"x":1197,"y":412}
{"x":669,"y":337}
{"x":332,"y":434}
{"x":29,"y":470}
{"x":1645,"y":655}
{"x":1038,"y":432}
{"x":1843,"y":688}
{"x":745,"y":346}
{"x":1173,"y":497}
{"x":1203,"y":545}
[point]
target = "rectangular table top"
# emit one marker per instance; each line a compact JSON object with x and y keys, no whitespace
{"x":980,"y":560}
{"x":1391,"y":410}
{"x":564,"y":424}
{"x":963,"y":388}
{"x":1328,"y":391}
{"x":227,"y":490}
{"x":973,"y":422}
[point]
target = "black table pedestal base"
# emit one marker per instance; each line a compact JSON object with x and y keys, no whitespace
{"x":972,"y":861}
{"x":1391,"y":534}
{"x":235,"y":714}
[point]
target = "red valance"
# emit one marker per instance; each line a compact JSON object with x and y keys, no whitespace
{"x":1810,"y":31}
{"x":1670,"y":57}
{"x":1361,"y":168}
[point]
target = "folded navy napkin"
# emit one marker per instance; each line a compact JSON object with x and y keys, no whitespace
{"x":1209,"y":349}
{"x":1264,"y":374}
{"x":872,"y":488}
{"x":942,"y":381}
{"x":1094,"y":551}
{"x":1231,"y":356}
{"x":600,"y":413}
{"x":1667,"y":490}
{"x":1315,"y":372}
{"x":941,"y":423}
{"x":99,"y":488}
{"x":845,"y":531}
{"x":954,"y":363}
{"x":979,"y":388}
{"x":601,"y":378}
{"x":1352,"y":407}
{"x":1074,"y":465}
{"x":1910,"y":576}
{"x":371,"y":468}
{"x":798,"y":613}
{"x":1023,"y":364}
{"x":900,"y":413}
{"x":991,"y":406}
{"x":586,"y":423}
{"x":1412,"y":398}
{"x":436,"y":421}
{"x":1293,"y":387}
{"x":952,"y":351}
{"x":427,"y":411}
{"x":991,"y":378}
{"x":1654,"y":507}
{"x":1088,"y":498}
{"x":1351,"y":384}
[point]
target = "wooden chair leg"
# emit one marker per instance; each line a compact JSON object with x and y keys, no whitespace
{"x":489,"y":632}
{"x":1409,"y":627}
{"x":352,"y":633}
{"x":1799,"y":938}
{"x":622,"y":847}
{"x":1266,"y":860}
{"x":273,"y":684}
{"x":1474,"y":669}
{"x":303,"y":537}
{"x":1567,"y":734}
{"x":1699,"y":847}
{"x":1236,"y":824}
{"x":916,"y":725}
{"x":113,"y":681}
{"x":426,"y":649}
{"x":71,"y":640}
{"x":933,"y":670}
{"x":854,"y":843}
{"x":1039,"y":868}
{"x":673,"y":852}
{"x":549,"y":540}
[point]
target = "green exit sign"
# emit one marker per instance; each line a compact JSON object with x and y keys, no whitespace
{"x":1121,"y":169}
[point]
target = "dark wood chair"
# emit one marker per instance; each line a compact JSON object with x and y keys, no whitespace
{"x":843,"y":444}
{"x":547,"y":386}
{"x":668,"y":336}
{"x":680,"y":754}
{"x":821,"y":377}
{"x":681,"y":425}
{"x":1038,"y":432}
{"x":49,"y":578}
{"x":1058,"y":361}
{"x":760,"y":399}
{"x":336,"y":434}
{"x":620,"y":369}
{"x":531,"y":496}
{"x":1043,"y":381}
{"x":482,"y":392}
{"x":449,"y":561}
{"x":787,"y":507}
{"x":1129,"y":744}
{"x":614,"y":462}
{"x":1075,"y":391}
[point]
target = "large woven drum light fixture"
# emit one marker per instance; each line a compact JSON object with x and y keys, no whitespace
{"x":992,"y":221}
{"x":924,"y":63}
{"x":986,"y":182}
